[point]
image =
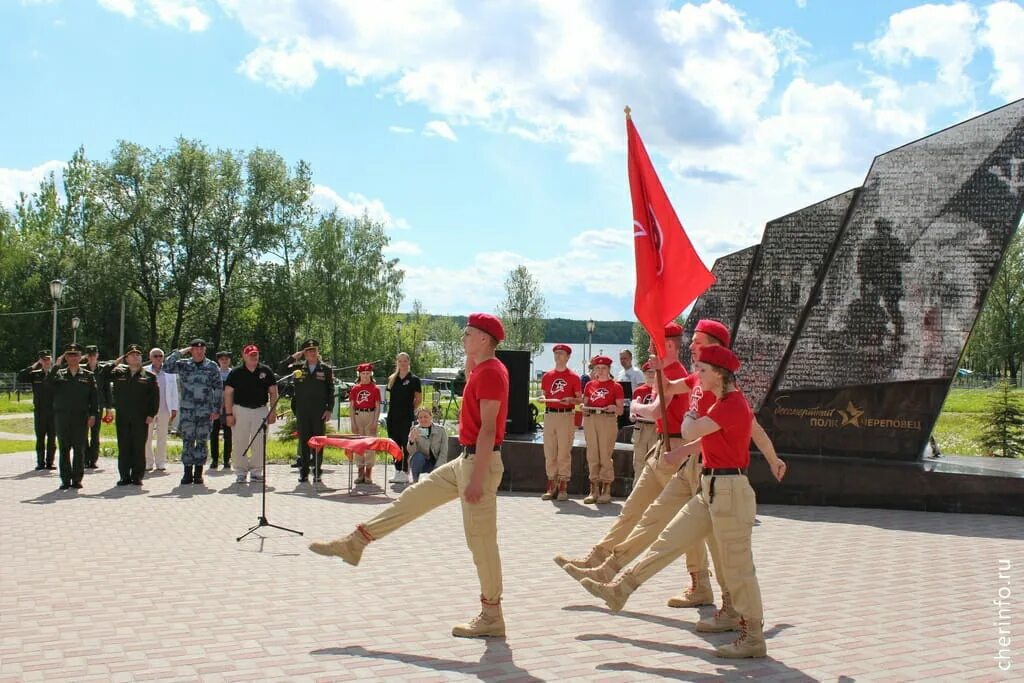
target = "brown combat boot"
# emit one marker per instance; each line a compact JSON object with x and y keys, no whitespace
{"x":595,"y":557}
{"x":749,"y":644}
{"x":350,"y":548}
{"x":604,"y":494}
{"x":602,"y":573}
{"x":563,"y":492}
{"x":367,"y":476}
{"x":550,"y":492}
{"x":699,"y":593}
{"x":488,"y":624}
{"x":725,"y":619}
{"x":614,"y":594}
{"x":592,"y":496}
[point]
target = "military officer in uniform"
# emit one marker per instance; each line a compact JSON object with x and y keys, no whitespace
{"x":137,"y":401}
{"x":101,"y":373}
{"x":38,"y":375}
{"x":312,"y":401}
{"x":221,"y":424}
{"x":201,"y":393}
{"x":75,"y":405}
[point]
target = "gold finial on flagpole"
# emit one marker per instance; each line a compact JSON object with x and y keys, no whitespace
{"x":627,"y":110}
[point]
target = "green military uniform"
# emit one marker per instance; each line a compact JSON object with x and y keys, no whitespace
{"x":42,"y":412}
{"x":75,"y":400}
{"x":102,"y":374}
{"x":136,"y":397}
{"x":314,"y":394}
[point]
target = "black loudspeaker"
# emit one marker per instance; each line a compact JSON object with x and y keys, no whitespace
{"x":518,"y":364}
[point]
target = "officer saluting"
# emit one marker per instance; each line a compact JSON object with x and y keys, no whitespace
{"x":101,"y":373}
{"x":38,"y":375}
{"x":75,"y":405}
{"x":312,"y":401}
{"x":137,"y":401}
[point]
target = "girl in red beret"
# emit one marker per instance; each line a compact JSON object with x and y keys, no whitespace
{"x":602,"y":404}
{"x":364,"y":414}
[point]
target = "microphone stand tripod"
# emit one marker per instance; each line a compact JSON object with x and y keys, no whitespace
{"x":263,"y":515}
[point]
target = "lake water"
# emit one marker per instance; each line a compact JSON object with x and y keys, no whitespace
{"x":545,"y":360}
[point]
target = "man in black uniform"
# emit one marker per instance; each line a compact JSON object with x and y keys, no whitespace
{"x":101,"y":373}
{"x":137,"y":401}
{"x":38,"y":375}
{"x":75,"y":402}
{"x":221,"y":424}
{"x":312,"y":401}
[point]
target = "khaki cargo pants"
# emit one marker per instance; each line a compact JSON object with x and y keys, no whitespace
{"x":364,"y":425}
{"x":479,"y":520}
{"x":559,"y":429}
{"x":645,"y":437}
{"x":600,"y":431}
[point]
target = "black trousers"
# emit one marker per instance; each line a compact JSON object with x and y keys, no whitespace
{"x":309,"y":425}
{"x":46,"y":437}
{"x":131,"y":447}
{"x":72,"y":435}
{"x":92,"y":447}
{"x":216,"y":428}
{"x":398,"y":431}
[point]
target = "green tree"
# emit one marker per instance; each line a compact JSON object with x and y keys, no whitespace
{"x":996,"y":344}
{"x":641,"y":343}
{"x":447,"y":337}
{"x":1003,"y":431}
{"x":522,"y":312}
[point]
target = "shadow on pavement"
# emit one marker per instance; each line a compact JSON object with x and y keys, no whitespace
{"x":497,"y":653}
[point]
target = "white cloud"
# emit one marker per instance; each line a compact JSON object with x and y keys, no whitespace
{"x":401,"y":130}
{"x":14,"y":181}
{"x":1004,"y":26}
{"x":183,"y":14}
{"x":125,"y":7}
{"x":355,"y":204}
{"x":439,"y":129}
{"x":400,"y":248}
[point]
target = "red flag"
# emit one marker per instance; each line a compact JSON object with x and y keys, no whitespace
{"x":357,"y":444}
{"x":669,"y":273}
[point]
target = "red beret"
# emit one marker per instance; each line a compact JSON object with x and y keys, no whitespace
{"x":673,"y":330}
{"x":250,"y":349}
{"x":488,"y":323}
{"x":716,"y":330}
{"x":364,"y":367}
{"x":720,"y":356}
{"x":563,"y":347}
{"x":601,"y":360}
{"x":646,"y":366}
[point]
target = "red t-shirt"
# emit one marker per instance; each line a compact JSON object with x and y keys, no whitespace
{"x":677,"y":406}
{"x":602,"y":394}
{"x":487,"y":381}
{"x":364,"y":396}
{"x":700,"y":400}
{"x":560,"y":384}
{"x":730,"y":445}
{"x":644,"y":394}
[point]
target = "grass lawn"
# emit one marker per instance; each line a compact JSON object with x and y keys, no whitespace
{"x":16,"y":446}
{"x":958,"y":429}
{"x":9,"y":403}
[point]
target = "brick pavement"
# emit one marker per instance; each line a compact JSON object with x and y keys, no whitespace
{"x":118,"y":584}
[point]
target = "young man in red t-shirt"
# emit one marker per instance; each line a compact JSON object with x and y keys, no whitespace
{"x":645,"y":434}
{"x":364,"y":414}
{"x":561,"y":392}
{"x":474,"y":478}
{"x":602,"y":404}
{"x":724,"y":433}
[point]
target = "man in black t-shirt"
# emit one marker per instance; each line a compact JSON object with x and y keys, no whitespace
{"x":250,"y":391}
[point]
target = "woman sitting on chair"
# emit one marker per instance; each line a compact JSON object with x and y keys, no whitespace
{"x":428,"y":445}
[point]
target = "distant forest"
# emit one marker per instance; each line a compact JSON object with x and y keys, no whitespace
{"x":575,"y":331}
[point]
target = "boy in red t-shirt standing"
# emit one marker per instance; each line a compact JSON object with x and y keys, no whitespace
{"x":473,"y":478}
{"x":602,"y":404}
{"x":645,"y":434}
{"x":562,"y":391}
{"x":364,"y":413}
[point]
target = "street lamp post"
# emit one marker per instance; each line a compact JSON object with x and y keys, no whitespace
{"x":590,"y":338}
{"x":75,"y":322}
{"x":398,"y":337}
{"x":56,"y":289}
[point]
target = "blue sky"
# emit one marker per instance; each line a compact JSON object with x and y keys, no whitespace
{"x":488,"y":135}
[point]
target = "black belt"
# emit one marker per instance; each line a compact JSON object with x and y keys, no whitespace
{"x":560,"y":410}
{"x":643,"y":422}
{"x":722,"y":471}
{"x":365,"y":410}
{"x":471,"y":450}
{"x":242,"y":405}
{"x":675,"y":436}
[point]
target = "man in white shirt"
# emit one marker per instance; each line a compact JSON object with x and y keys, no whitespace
{"x":168,"y":384}
{"x":628,"y":374}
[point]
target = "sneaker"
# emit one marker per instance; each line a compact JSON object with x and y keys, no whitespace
{"x":400,"y":478}
{"x":256,"y":477}
{"x":240,"y":479}
{"x":227,"y":466}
